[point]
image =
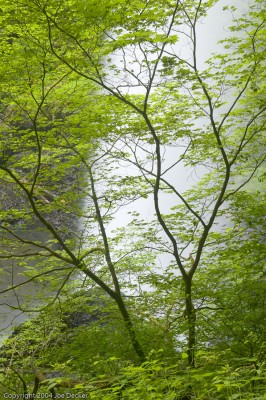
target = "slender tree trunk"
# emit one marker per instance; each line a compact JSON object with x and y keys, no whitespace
{"x":130,"y":328}
{"x":115,"y":294}
{"x":191,"y":317}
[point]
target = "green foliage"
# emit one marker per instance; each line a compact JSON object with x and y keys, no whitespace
{"x":169,"y":380}
{"x":101,"y":112}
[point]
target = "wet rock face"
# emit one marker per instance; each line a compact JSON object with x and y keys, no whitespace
{"x":80,"y":318}
{"x":15,"y":206}
{"x":93,"y":311}
{"x":55,"y":189}
{"x":11,"y":199}
{"x":72,"y":320}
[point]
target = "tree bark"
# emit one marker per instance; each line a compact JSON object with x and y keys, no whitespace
{"x":191,"y":318}
{"x":116,"y":293}
{"x":130,"y":328}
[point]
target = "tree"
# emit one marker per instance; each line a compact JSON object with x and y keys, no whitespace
{"x":109,"y":90}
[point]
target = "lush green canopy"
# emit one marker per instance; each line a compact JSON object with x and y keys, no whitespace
{"x":104,"y":106}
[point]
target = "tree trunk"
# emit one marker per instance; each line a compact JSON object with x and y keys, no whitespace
{"x":115,"y":294}
{"x":130,"y":328}
{"x":191,"y":317}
